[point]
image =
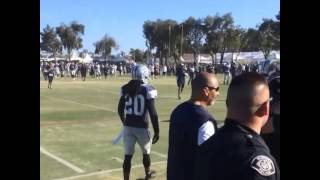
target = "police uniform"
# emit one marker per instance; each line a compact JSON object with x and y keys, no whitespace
{"x":235,"y":152}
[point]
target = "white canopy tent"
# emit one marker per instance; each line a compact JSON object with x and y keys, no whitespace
{"x":75,"y":57}
{"x":87,"y":59}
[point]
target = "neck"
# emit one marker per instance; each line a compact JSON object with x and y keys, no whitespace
{"x":253,"y":126}
{"x":196,"y":101}
{"x":251,"y":123}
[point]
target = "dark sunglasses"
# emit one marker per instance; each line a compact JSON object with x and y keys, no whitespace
{"x":213,"y":88}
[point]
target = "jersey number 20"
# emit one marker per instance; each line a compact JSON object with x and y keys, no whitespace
{"x":135,"y":105}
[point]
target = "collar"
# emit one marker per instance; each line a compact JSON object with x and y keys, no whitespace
{"x":241,"y":127}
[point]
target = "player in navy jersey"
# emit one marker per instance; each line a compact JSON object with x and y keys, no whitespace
{"x":137,"y":99}
{"x":181,"y":73}
{"x":50,"y":77}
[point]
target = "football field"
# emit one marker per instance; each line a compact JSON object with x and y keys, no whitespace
{"x":79,"y":120}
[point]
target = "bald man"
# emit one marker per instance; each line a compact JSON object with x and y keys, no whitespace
{"x":191,"y":125}
{"x":237,"y":151}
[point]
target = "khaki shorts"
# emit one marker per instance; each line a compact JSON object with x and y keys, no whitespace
{"x":131,"y":135}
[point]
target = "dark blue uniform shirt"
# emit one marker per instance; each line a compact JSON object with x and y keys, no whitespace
{"x":235,"y":152}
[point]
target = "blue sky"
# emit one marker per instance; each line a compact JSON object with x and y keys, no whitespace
{"x":123,"y":19}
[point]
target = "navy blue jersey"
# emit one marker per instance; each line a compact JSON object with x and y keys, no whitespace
{"x":226,"y":68}
{"x":136,"y":107}
{"x":50,"y":74}
{"x":180,"y":72}
{"x":72,"y":67}
{"x":185,"y":122}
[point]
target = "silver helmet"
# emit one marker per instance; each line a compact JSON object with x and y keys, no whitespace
{"x":140,"y":72}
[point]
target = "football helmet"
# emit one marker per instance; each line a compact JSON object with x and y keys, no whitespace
{"x":140,"y":72}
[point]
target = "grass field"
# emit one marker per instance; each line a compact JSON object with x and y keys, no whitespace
{"x":78,"y":121}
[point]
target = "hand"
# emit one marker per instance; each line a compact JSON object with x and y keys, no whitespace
{"x":155,"y":138}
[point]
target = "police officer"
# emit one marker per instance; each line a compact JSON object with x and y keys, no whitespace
{"x":271,"y":131}
{"x":237,"y":150}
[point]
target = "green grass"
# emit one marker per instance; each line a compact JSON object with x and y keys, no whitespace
{"x":78,"y":121}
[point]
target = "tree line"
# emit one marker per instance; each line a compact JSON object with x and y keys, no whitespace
{"x":167,"y":38}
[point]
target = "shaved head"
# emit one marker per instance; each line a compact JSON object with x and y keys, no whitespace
{"x":205,"y":88}
{"x":247,"y":92}
{"x":203,"y":79}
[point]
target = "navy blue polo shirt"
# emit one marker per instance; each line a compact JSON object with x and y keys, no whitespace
{"x":185,"y":121}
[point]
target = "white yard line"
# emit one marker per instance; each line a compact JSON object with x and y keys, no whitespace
{"x":159,"y":154}
{"x":74,"y":102}
{"x":107,"y":171}
{"x":117,"y":159}
{"x":152,"y":152}
{"x":62,"y":161}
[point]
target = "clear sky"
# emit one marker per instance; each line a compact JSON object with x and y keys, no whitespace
{"x":123,"y":19}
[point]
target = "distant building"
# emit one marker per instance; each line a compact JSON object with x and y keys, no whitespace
{"x":227,"y":57}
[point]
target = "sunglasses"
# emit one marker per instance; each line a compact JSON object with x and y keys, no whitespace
{"x":213,"y":88}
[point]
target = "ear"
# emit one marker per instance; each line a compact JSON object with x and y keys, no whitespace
{"x":206,"y":91}
{"x":263,"y":110}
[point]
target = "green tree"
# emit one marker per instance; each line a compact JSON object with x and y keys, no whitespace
{"x":251,"y":39}
{"x":160,"y":35}
{"x":194,"y":36}
{"x":50,"y":42}
{"x":137,"y":54}
{"x":71,"y":36}
{"x":105,"y":46}
{"x":269,"y":38}
{"x":233,"y":40}
{"x":212,"y":36}
{"x":225,"y":26}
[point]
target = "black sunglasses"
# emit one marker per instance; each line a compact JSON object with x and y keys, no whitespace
{"x":213,"y":88}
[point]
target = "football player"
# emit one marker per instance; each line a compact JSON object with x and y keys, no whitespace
{"x":136,"y":102}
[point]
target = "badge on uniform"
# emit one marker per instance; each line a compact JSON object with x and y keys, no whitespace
{"x":263,"y":165}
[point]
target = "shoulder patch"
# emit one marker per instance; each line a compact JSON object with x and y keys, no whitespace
{"x":263,"y":165}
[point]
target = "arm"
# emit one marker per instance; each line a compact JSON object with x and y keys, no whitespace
{"x":121,"y":108}
{"x":154,"y":119}
{"x":205,"y":132}
{"x":261,"y":167}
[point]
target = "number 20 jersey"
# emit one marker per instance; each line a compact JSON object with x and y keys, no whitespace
{"x":136,"y":107}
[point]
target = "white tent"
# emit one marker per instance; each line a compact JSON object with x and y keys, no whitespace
{"x":87,"y":59}
{"x":274,"y":55}
{"x":52,"y":59}
{"x":75,"y":57}
{"x":204,"y":59}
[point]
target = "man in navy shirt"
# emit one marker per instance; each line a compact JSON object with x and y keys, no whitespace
{"x":191,"y":125}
